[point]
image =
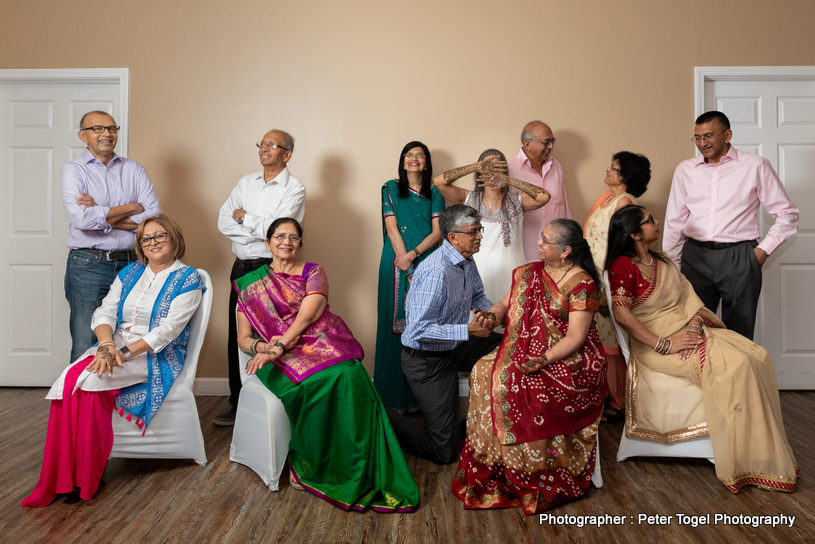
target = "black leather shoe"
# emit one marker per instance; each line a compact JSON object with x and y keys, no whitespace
{"x":227,"y":419}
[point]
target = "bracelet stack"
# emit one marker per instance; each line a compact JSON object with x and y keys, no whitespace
{"x":663,"y":346}
{"x":694,"y":328}
{"x":253,"y":347}
{"x":103,"y":344}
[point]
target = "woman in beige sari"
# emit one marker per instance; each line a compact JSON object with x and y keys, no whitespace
{"x":688,"y":376}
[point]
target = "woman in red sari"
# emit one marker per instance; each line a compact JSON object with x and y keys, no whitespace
{"x":536,"y":402}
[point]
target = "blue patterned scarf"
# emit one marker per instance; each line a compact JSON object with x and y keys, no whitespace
{"x":143,"y":400}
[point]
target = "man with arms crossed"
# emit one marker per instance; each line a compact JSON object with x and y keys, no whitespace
{"x":106,"y":197}
{"x":534,"y":165}
{"x":257,"y":200}
{"x":711,"y":224}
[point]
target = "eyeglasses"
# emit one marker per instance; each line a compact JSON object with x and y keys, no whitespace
{"x":280,"y":237}
{"x":550,"y":242}
{"x":414,"y":155}
{"x":474,"y":232}
{"x":649,"y":220}
{"x":158,"y":237}
{"x":99,"y":129}
{"x":550,"y":142}
{"x":707,"y":137}
{"x":271,"y":145}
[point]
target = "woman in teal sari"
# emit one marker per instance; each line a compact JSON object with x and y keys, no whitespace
{"x":342,"y":447}
{"x":410,"y":209}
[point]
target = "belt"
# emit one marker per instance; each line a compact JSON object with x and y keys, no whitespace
{"x":257,"y":263}
{"x":716,"y":245}
{"x":426,"y":352}
{"x":115,"y":255}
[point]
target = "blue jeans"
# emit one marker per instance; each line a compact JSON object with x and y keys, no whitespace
{"x":87,"y":280}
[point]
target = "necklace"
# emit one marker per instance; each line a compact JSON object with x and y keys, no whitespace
{"x":552,"y":270}
{"x":491,"y":203}
{"x":637,"y":258}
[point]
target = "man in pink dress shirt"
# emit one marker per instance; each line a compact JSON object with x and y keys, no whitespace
{"x":711,"y":224}
{"x":534,"y":165}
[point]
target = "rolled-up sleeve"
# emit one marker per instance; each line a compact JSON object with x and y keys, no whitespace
{"x":145,"y":195}
{"x":81,"y":217}
{"x":181,"y":310}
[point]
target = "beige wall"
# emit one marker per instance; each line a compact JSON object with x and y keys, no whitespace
{"x":354,"y":81}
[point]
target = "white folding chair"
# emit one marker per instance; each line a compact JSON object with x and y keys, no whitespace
{"x":635,"y":447}
{"x":175,"y":431}
{"x":260,"y":439}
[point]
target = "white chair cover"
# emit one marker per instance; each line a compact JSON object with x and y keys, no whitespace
{"x":260,"y":439}
{"x":635,"y":447}
{"x":175,"y":431}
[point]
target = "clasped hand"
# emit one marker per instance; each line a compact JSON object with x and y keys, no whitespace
{"x":685,"y":343}
{"x":264,"y":358}
{"x":105,"y":359}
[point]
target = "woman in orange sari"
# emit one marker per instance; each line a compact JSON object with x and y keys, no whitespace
{"x":536,"y":402}
{"x":627,"y":178}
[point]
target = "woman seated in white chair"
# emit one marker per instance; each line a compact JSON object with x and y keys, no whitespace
{"x":342,"y":448}
{"x":674,"y":336}
{"x":142,"y":328}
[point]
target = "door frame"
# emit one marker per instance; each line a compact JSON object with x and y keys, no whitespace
{"x":705,"y":74}
{"x":117,"y":80}
{"x":80,"y":76}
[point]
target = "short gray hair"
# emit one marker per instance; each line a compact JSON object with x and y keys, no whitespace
{"x":288,"y":139}
{"x":457,"y":216}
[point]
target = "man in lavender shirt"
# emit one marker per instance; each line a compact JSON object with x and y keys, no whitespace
{"x":534,"y":165}
{"x":106,"y":197}
{"x":711,"y":224}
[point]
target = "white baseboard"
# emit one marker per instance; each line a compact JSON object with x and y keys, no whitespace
{"x":211,"y":387}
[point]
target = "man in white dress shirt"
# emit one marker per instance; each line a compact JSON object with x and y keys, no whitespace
{"x":257,"y":200}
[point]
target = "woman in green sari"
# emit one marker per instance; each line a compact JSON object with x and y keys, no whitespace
{"x":410,"y":209}
{"x":342,"y":447}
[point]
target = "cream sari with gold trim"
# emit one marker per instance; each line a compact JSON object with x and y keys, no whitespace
{"x":726,"y":390}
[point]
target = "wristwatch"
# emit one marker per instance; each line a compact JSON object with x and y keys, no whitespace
{"x":126,"y":352}
{"x":240,"y":220}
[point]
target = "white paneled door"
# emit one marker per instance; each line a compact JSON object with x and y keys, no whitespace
{"x":39,"y":119}
{"x":772,"y":113}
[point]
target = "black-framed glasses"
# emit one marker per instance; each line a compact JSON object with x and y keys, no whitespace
{"x":474,"y":232}
{"x":158,"y":238}
{"x":280,"y":237}
{"x":649,"y":220}
{"x":414,"y":155}
{"x":271,"y":145}
{"x":99,"y":129}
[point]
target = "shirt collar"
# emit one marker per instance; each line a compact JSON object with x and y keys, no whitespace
{"x":282,"y":178}
{"x":88,"y":158}
{"x":452,"y":255}
{"x":731,"y":155}
{"x":525,"y":160}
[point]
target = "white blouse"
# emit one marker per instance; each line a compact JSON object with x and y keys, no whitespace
{"x":135,"y":325}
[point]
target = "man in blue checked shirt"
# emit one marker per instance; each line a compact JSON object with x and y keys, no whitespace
{"x":445,"y":288}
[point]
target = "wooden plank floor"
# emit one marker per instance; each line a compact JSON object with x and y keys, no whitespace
{"x":150,"y":501}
